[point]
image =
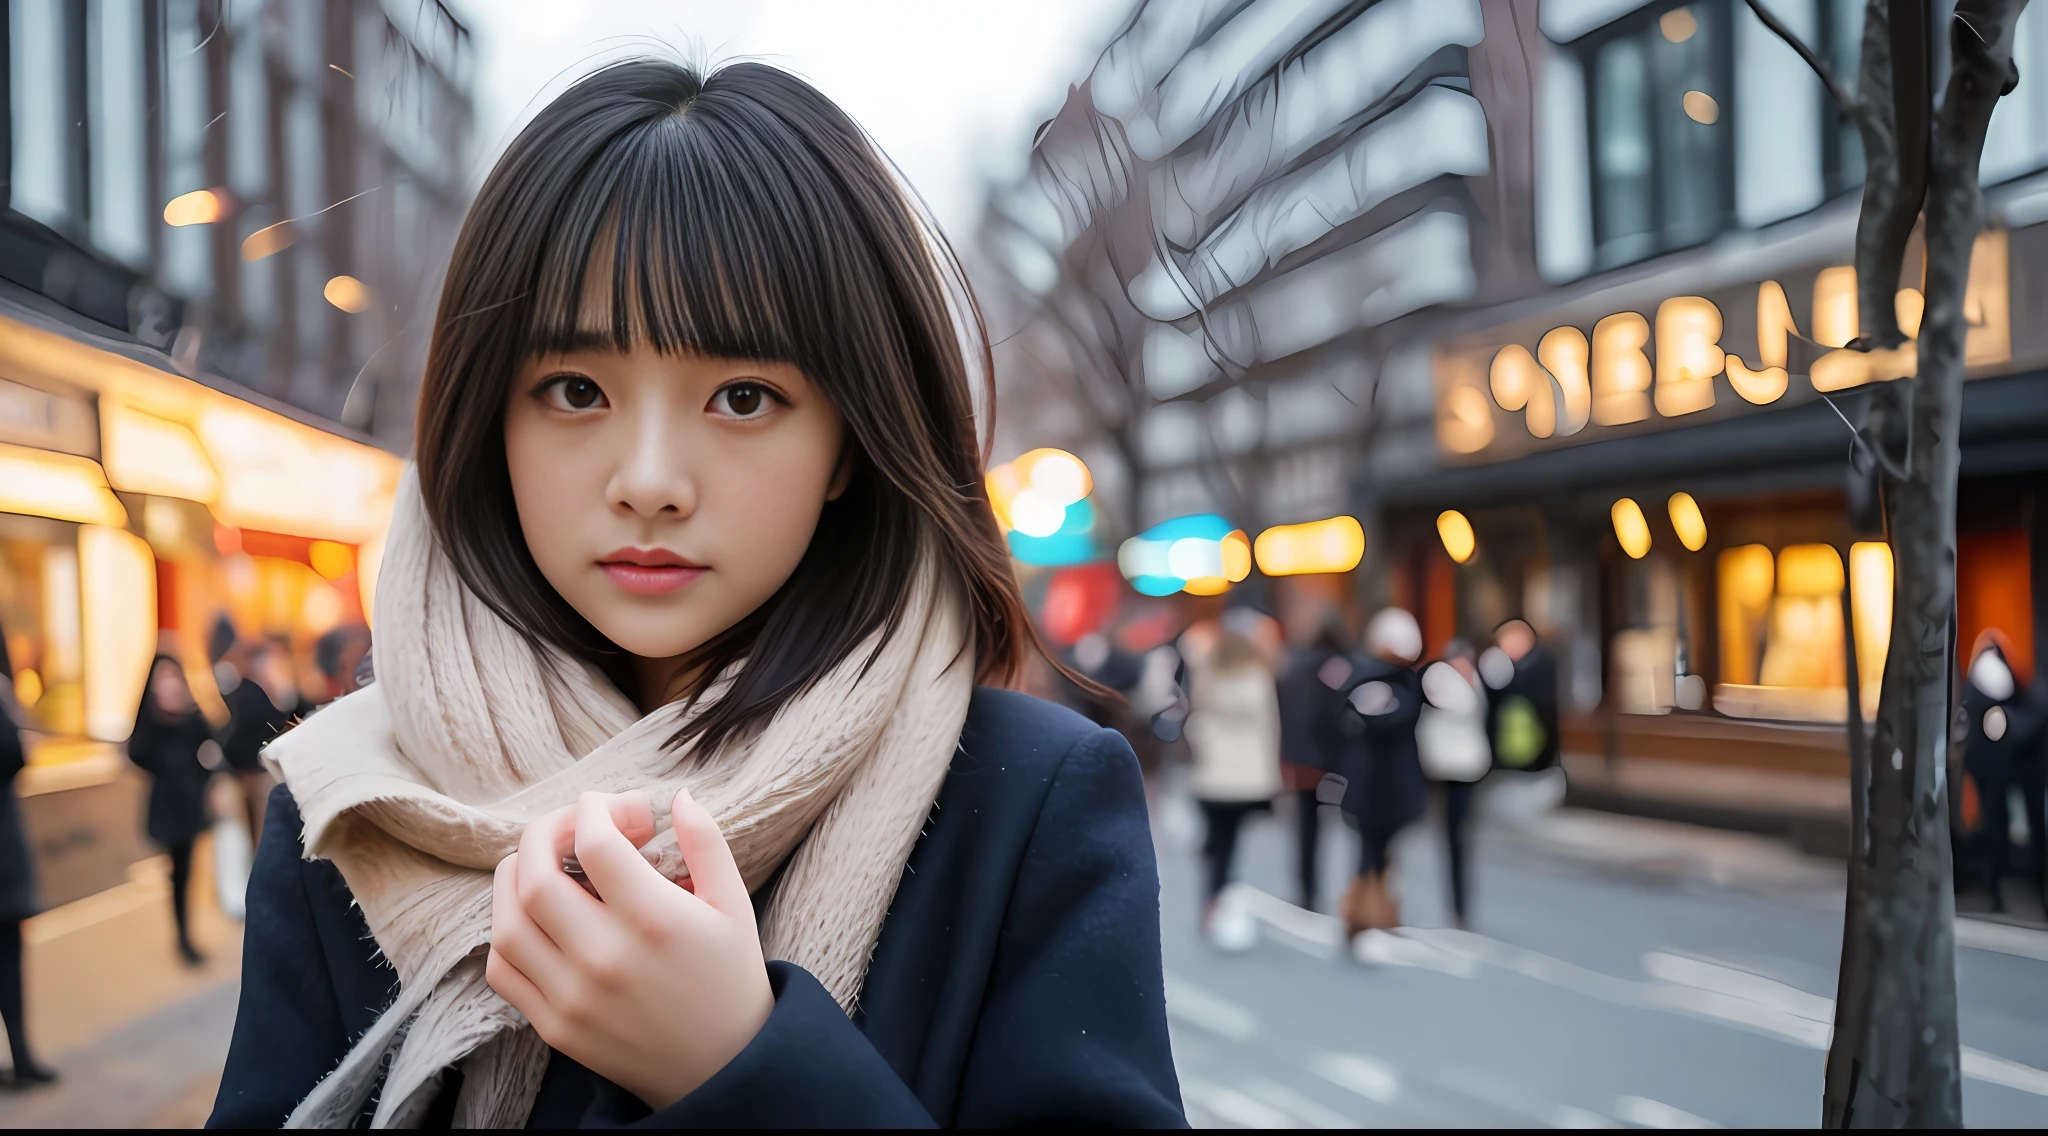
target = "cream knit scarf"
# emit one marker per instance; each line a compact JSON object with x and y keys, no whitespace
{"x":417,"y":786}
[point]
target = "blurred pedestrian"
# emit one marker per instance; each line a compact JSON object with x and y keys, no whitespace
{"x":1383,"y":791}
{"x":168,"y":743}
{"x":260,"y":707}
{"x":338,"y":655}
{"x":1450,"y":739}
{"x":17,"y":885}
{"x":1524,"y":707}
{"x":1233,"y":733}
{"x":1311,"y":692}
{"x":2003,"y":754}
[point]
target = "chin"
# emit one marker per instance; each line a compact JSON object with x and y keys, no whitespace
{"x":636,"y":638}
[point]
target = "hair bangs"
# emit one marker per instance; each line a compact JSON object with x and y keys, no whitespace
{"x":662,"y":244}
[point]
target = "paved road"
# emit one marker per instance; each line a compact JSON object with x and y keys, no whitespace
{"x":1618,"y":972}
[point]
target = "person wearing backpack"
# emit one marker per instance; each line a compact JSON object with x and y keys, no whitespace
{"x":1524,"y":713}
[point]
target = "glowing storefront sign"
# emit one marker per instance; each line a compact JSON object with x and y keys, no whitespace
{"x":1633,"y":370}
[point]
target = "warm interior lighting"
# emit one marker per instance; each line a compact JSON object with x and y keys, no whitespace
{"x":347,"y":293}
{"x":1910,"y":305}
{"x":1774,"y":329}
{"x":1686,"y":519}
{"x":1809,"y":570}
{"x":1333,"y":545}
{"x":1747,"y":577}
{"x":147,"y":454}
{"x":1870,"y":604}
{"x":1631,"y":528}
{"x":117,"y":579}
{"x":1456,"y":533}
{"x":331,"y":559}
{"x":1565,"y":353}
{"x":1701,"y":108}
{"x":1621,"y":372}
{"x":1689,"y":355}
{"x":1678,"y":25}
{"x":59,"y":486}
{"x":199,"y":207}
{"x":268,"y":241}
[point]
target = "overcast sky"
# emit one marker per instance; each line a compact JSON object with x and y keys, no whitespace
{"x":950,"y":88}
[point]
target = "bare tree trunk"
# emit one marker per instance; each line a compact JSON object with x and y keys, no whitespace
{"x":1895,"y":1060}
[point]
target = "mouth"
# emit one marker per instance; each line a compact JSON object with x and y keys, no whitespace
{"x":650,"y":571}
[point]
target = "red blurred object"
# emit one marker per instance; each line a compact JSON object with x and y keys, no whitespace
{"x":227,"y":539}
{"x":1078,"y":599}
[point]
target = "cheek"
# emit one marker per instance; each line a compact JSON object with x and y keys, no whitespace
{"x":771,"y":497}
{"x":549,"y":494}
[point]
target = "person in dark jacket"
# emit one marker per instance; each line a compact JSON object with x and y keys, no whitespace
{"x":2006,"y":722}
{"x":1520,"y":672}
{"x":261,"y":705}
{"x":1312,"y":686}
{"x":1384,"y":790}
{"x":1010,"y":986}
{"x":17,"y":887}
{"x":170,"y":735}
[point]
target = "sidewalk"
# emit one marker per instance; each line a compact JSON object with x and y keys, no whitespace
{"x":138,"y":1037}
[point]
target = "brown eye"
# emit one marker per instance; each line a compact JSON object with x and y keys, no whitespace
{"x":570,"y":393}
{"x":742,"y":400}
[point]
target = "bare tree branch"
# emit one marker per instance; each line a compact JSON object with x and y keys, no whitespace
{"x":1851,"y":106}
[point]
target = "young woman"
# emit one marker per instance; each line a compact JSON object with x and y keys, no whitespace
{"x":680,"y":626}
{"x":169,"y":735}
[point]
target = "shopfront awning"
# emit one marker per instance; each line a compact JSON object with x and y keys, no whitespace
{"x":168,"y":435}
{"x":2005,"y":430}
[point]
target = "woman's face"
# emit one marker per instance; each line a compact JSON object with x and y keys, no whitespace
{"x":668,"y":496}
{"x":167,"y":687}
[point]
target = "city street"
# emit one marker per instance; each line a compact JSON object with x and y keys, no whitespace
{"x":1618,"y":972}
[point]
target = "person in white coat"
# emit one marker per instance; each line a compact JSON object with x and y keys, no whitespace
{"x":1455,"y":750}
{"x":1233,"y":734}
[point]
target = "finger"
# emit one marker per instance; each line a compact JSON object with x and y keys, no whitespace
{"x":514,"y":935}
{"x":614,"y":866}
{"x":708,"y":857}
{"x":515,"y":988}
{"x":631,"y":813}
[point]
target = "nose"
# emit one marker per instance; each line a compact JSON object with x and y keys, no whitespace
{"x":652,"y":479}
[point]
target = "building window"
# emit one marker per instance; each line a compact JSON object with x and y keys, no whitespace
{"x":188,"y":255}
{"x":46,"y":91}
{"x":1841,"y":31}
{"x":1662,"y":172}
{"x":119,"y":114}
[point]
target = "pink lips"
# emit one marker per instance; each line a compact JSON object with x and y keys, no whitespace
{"x":650,"y":571}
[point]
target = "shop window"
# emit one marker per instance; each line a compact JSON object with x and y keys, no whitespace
{"x":1994,"y":590}
{"x":1662,"y":173}
{"x":1783,"y":646}
{"x":45,"y":77}
{"x":1646,"y":655}
{"x":40,"y":615}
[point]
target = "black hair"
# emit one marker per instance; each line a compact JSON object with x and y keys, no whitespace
{"x":738,"y":214}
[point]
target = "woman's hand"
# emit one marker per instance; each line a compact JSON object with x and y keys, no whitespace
{"x":655,"y":986}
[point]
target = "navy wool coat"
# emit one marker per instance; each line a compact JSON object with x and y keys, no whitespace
{"x":1016,"y":981}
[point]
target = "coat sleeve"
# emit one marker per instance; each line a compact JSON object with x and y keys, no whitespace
{"x":1073,"y":1028}
{"x":289,"y":1029}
